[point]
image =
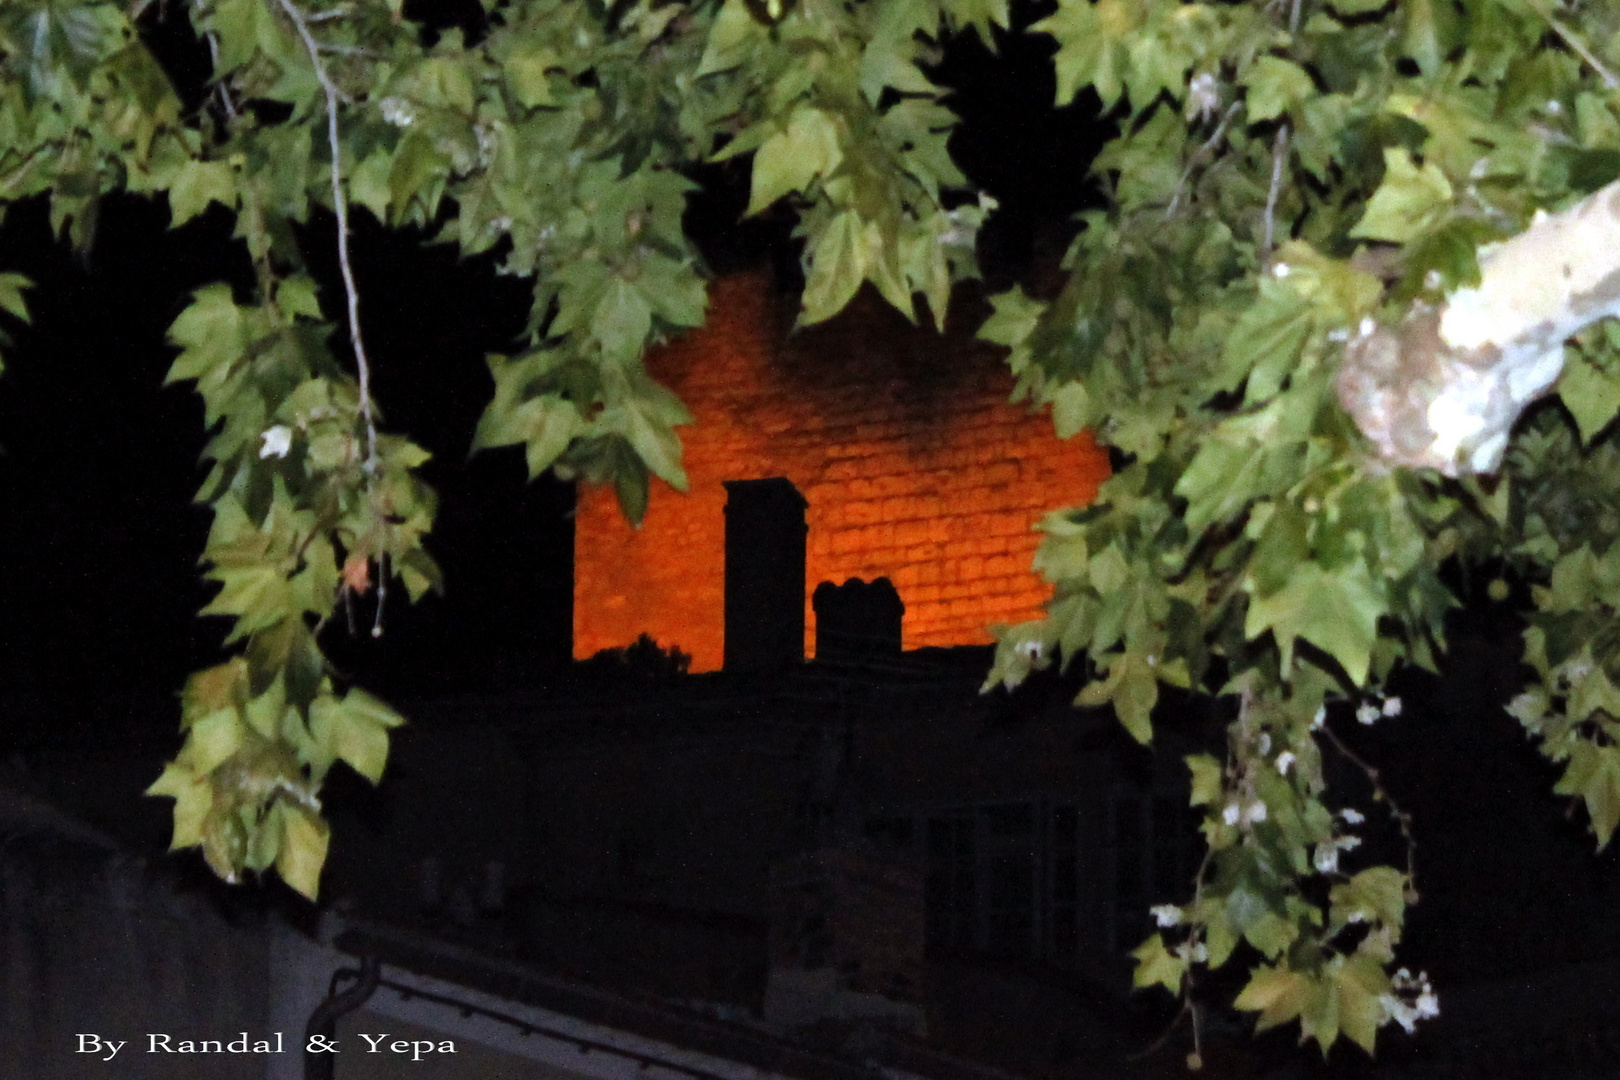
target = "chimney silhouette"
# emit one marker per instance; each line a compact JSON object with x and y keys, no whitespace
{"x":764,"y":604}
{"x":858,"y":620}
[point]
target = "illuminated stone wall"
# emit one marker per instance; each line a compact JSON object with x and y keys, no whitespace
{"x":914,"y":466}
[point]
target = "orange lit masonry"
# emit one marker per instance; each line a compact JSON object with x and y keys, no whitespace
{"x":914,"y":465}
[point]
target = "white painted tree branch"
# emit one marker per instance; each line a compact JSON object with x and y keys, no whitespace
{"x":1443,"y":388}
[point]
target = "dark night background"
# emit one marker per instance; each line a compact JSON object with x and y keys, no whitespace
{"x":99,"y":538}
{"x":99,"y":584}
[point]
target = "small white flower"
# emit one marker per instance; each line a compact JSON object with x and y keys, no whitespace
{"x":1198,"y":953}
{"x":1326,"y":859}
{"x":1203,"y":96}
{"x":1336,"y":336}
{"x":1319,"y":718}
{"x":1399,"y":1011}
{"x":1166,"y":915}
{"x":1367,"y":326}
{"x":1232,"y":813}
{"x":1392,"y":707}
{"x":277,"y":441}
{"x":397,"y":111}
{"x":1282,"y":269}
{"x":1347,"y":843}
{"x":1254,"y":812}
{"x":1352,"y":815}
{"x":1554,"y":108}
{"x":1368,"y":713}
{"x":1285,"y":761}
{"x":488,"y":144}
{"x":1424,"y":1006}
{"x":1432,"y":279}
{"x":1265,"y":743}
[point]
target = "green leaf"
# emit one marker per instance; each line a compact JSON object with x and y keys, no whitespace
{"x":1593,"y":693}
{"x":793,"y":158}
{"x":1091,"y":50}
{"x":193,"y":798}
{"x":211,"y":332}
{"x":1361,"y":985}
{"x":1591,"y":394}
{"x":1207,"y":779}
{"x":11,"y":295}
{"x":304,"y":841}
{"x":1276,"y":993}
{"x":1271,"y":933}
{"x":1071,"y":409}
{"x":211,"y":740}
{"x":1358,"y":7}
{"x":1276,"y":87}
{"x":1375,"y":895}
{"x":733,"y":37}
{"x":1336,"y":610}
{"x":622,"y":321}
{"x":415,"y":177}
{"x":528,"y":71}
{"x":837,"y":268}
{"x":1410,"y":201}
{"x":197,"y":184}
{"x":56,"y":37}
{"x":1593,"y":774}
{"x":1265,"y":345}
{"x":654,"y":441}
{"x":1433,"y":29}
{"x":1132,"y":687}
{"x":1319,"y":1019}
{"x":1157,"y":966}
{"x":360,"y":741}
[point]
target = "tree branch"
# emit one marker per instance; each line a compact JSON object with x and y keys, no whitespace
{"x":340,"y":206}
{"x":351,"y":292}
{"x":1279,"y":157}
{"x":1578,"y":46}
{"x":1402,"y":819}
{"x":1443,"y":387}
{"x":1202,"y":154}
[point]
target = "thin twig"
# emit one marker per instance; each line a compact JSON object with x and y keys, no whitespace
{"x":220,"y":87}
{"x":340,"y":206}
{"x":1201,"y":155}
{"x":1402,"y":819}
{"x":340,"y":12}
{"x":1279,"y":155}
{"x":351,"y":50}
{"x":382,"y":594}
{"x":1574,"y":41}
{"x":1175,"y":1025}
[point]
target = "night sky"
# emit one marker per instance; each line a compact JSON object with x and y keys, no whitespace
{"x":99,"y":583}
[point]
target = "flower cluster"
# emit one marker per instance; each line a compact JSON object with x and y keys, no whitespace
{"x":1411,"y":999}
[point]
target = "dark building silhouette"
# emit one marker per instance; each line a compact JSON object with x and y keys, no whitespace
{"x":764,"y":574}
{"x":858,"y":620}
